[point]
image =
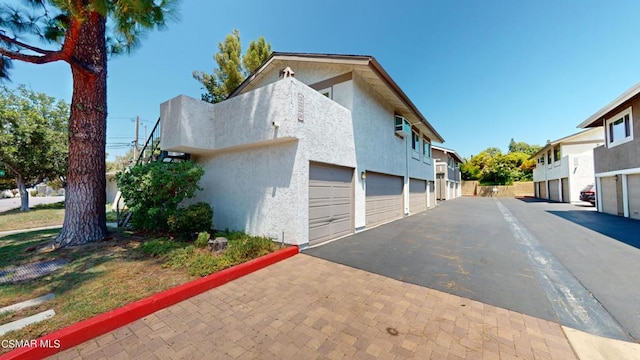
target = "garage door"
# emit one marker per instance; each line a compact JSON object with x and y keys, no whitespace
{"x":330,"y":202}
{"x":609,"y":195}
{"x":633,"y":183}
{"x":417,"y":195}
{"x":543,"y":190}
{"x":554,"y":192}
{"x":432,"y":194}
{"x":384,"y":198}
{"x":566,"y":195}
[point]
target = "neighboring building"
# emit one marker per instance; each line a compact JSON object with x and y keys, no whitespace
{"x":309,"y":148}
{"x":447,"y":173}
{"x":617,"y":162}
{"x":565,"y":166}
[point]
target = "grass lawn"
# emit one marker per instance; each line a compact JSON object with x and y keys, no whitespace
{"x":39,"y":216}
{"x":109,"y":274}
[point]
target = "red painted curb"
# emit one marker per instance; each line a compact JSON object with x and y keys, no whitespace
{"x":78,"y":333}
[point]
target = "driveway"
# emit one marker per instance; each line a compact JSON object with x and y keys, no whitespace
{"x":12,"y":203}
{"x":559,"y":262}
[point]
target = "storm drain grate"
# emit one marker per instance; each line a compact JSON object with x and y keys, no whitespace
{"x":30,"y":271}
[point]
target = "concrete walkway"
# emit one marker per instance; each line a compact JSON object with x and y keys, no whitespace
{"x":309,"y":308}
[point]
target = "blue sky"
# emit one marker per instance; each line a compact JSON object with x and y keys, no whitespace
{"x":482,"y":72}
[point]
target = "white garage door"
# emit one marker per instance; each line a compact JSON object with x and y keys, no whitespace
{"x":633,"y":189}
{"x":554,"y":191}
{"x":330,"y":202}
{"x":417,"y":195}
{"x":609,"y":195}
{"x":384,"y":198}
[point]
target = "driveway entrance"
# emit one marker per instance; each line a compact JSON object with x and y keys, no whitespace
{"x":507,"y":252}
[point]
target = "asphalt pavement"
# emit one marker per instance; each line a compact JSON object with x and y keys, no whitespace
{"x":538,"y":258}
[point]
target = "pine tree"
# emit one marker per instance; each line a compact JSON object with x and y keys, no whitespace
{"x":78,"y":28}
{"x":232,"y":67}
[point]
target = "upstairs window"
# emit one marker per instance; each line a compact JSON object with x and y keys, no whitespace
{"x":541,"y":160}
{"x":426,"y":148}
{"x":556,"y":153}
{"x":549,"y":159}
{"x":415,"y":140}
{"x":328,"y":92}
{"x":619,"y":128}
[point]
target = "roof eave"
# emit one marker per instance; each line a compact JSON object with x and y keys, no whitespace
{"x":595,"y":119}
{"x":361,"y":59}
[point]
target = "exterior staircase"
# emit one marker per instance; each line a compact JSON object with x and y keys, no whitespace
{"x":150,"y":153}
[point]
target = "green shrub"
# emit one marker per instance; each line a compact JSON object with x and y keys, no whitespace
{"x":33,"y":193}
{"x":153,"y":191}
{"x":248,"y":247}
{"x":203,"y":240}
{"x":194,"y":218}
{"x":200,"y":262}
{"x":161,"y":247}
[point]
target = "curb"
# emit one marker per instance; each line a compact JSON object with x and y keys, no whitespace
{"x":78,"y":333}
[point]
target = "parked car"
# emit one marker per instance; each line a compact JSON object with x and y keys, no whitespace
{"x":6,"y":194}
{"x":589,"y":194}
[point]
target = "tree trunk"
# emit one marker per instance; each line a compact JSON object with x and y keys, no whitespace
{"x":84,"y":218}
{"x":24,"y":194}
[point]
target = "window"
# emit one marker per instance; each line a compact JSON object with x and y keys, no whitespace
{"x":549,"y":160}
{"x":541,"y":160}
{"x":426,"y":148}
{"x":619,"y":128}
{"x":415,"y":140}
{"x":556,"y":153}
{"x":328,"y":92}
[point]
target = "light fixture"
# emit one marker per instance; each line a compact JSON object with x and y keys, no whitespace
{"x":363,"y":175}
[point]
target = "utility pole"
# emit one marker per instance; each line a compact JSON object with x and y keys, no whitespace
{"x":135,"y":142}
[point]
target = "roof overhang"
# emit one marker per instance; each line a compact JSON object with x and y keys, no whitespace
{"x":597,"y":118}
{"x":367,"y":67}
{"x":565,"y":140}
{"x":451,"y":152}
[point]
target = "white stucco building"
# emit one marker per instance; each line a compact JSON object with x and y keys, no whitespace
{"x":334,"y":149}
{"x":565,"y":166}
{"x":448,"y":185}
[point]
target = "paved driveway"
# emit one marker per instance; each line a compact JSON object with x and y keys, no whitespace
{"x":559,"y":262}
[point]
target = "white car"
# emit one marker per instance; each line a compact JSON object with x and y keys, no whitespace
{"x":6,"y":194}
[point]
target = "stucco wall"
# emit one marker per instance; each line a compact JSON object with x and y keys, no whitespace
{"x":261,"y":186}
{"x":254,"y":190}
{"x":187,"y":124}
{"x":582,"y":174}
{"x":378,"y":149}
{"x":306,"y":72}
{"x":624,"y":156}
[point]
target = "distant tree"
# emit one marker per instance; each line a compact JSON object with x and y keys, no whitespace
{"x":79,"y":30}
{"x":232,"y":67}
{"x":121,"y":162}
{"x":523,"y":147}
{"x":33,"y":138}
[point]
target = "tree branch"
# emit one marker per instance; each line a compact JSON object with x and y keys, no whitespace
{"x":64,"y":54}
{"x":26,"y":46}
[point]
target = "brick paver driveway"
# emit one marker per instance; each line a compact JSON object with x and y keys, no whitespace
{"x":309,"y":308}
{"x":559,"y":262}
